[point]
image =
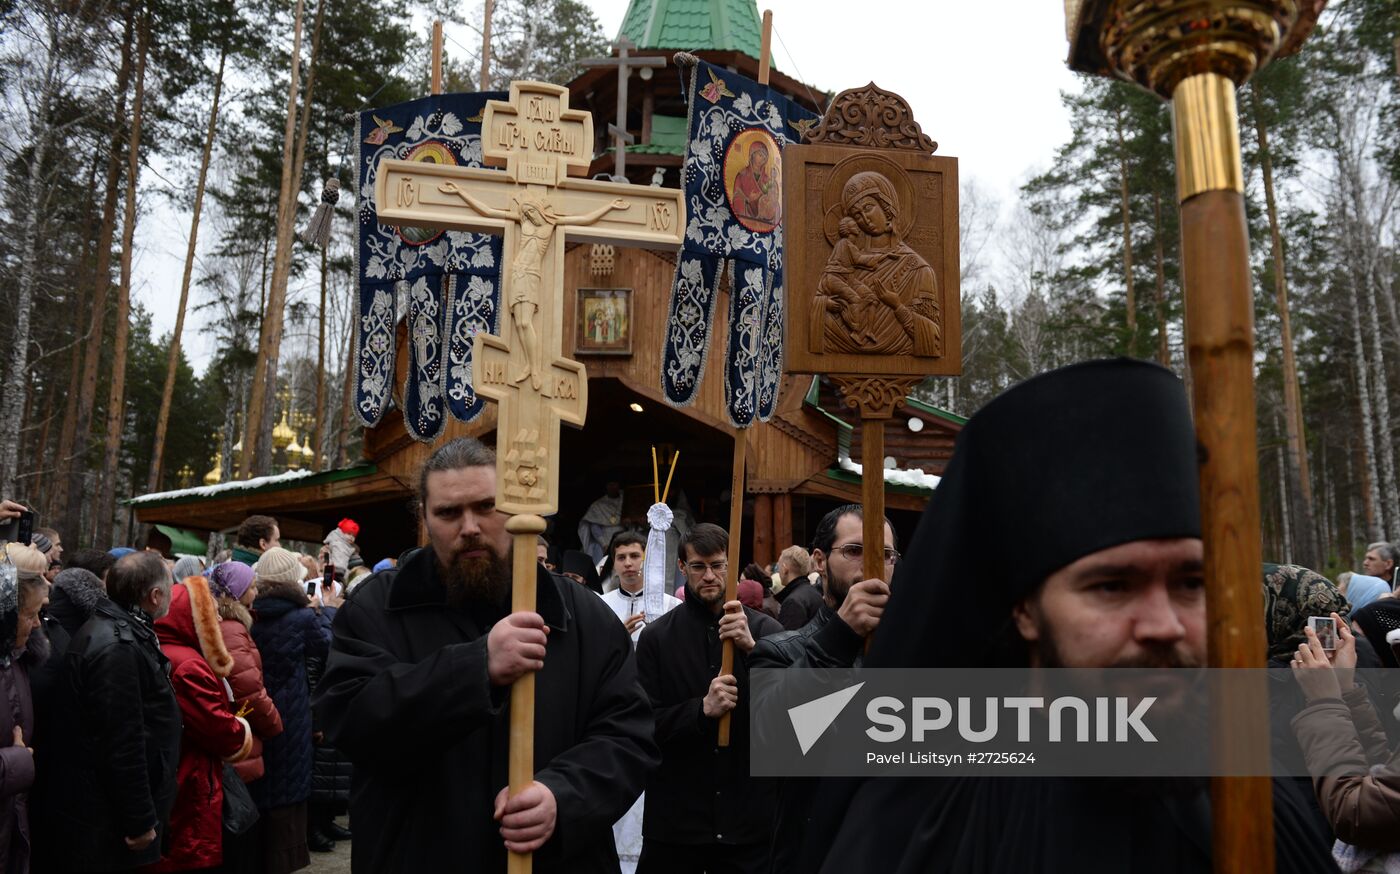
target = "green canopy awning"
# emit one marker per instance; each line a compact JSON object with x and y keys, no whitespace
{"x":184,"y":542}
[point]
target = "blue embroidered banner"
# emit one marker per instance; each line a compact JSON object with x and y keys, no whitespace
{"x":446,"y":281}
{"x":734,"y":200}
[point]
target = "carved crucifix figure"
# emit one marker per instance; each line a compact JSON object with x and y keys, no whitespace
{"x":539,"y":141}
{"x":537,"y":221}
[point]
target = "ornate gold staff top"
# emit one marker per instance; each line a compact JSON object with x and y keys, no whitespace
{"x":1196,"y":53}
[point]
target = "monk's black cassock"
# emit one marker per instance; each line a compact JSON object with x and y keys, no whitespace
{"x":1061,"y":466}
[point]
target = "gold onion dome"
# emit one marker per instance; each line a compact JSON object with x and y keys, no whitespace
{"x":215,"y":475}
{"x":282,"y":435}
{"x":306,"y":449}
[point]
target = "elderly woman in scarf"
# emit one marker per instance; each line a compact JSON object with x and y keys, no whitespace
{"x":23,"y":591}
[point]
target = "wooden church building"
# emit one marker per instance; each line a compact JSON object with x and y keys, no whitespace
{"x":798,"y":464}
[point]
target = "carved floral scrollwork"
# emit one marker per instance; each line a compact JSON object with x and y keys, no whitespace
{"x":871,"y":117}
{"x":875,"y":397}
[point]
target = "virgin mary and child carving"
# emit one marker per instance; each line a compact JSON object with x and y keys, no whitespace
{"x":876,"y":295}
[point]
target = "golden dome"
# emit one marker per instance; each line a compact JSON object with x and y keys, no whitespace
{"x":283,"y":434}
{"x":306,"y":449}
{"x":216,"y":475}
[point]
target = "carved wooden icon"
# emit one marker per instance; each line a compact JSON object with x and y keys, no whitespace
{"x":871,"y":224}
{"x":539,"y":141}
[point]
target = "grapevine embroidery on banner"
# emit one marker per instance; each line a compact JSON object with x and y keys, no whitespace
{"x":422,"y":392}
{"x":736,"y":131}
{"x":423,"y":265}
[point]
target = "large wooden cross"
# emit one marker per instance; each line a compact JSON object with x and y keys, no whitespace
{"x":625,"y":64}
{"x":539,"y":141}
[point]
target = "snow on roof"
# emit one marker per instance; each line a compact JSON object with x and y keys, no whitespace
{"x":895,"y":476}
{"x":220,"y":488}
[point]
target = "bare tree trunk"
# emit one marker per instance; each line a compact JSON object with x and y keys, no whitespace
{"x":257,"y":447}
{"x":69,"y":494}
{"x":1127,"y":236}
{"x":1375,"y":521}
{"x":1299,"y":478}
{"x":1284,"y":511}
{"x":172,"y":362}
{"x":116,"y":397}
{"x":18,"y":383}
{"x":320,"y":428}
{"x":1385,"y":445}
{"x":1164,"y":355}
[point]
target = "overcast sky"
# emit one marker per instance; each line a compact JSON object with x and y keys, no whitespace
{"x":984,"y":81}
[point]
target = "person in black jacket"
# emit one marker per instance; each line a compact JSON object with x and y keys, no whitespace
{"x":704,"y":813}
{"x":798,"y":600}
{"x":834,"y":638}
{"x":415,"y":690}
{"x":120,"y":738}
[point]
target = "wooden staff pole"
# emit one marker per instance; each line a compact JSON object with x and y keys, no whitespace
{"x":1220,"y":343}
{"x":872,"y":499}
{"x":736,"y":486}
{"x":525,"y":530}
{"x":486,"y":46}
{"x":1197,"y":61}
{"x":765,"y":55}
{"x":437,"y":58}
{"x":731,"y":577}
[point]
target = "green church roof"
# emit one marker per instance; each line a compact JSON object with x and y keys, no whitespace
{"x":694,"y":25}
{"x":667,"y":137}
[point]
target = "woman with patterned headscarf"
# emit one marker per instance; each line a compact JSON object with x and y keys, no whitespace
{"x":23,"y":589}
{"x":1291,"y":594}
{"x":1356,"y":774}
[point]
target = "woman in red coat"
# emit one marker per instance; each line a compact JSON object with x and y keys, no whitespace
{"x":199,"y":663}
{"x":234,"y":590}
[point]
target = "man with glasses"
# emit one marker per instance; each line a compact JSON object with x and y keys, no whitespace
{"x":704,"y":813}
{"x":849,"y":612}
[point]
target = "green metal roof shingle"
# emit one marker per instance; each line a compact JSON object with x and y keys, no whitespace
{"x":667,"y":137}
{"x":694,"y":25}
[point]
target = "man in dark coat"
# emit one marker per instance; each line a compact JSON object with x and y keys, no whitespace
{"x":850,"y":612}
{"x":703,"y":810}
{"x":1100,"y":499}
{"x":799,"y":601}
{"x":120,"y":740}
{"x":288,"y":627}
{"x":416,"y":686}
{"x":74,"y":595}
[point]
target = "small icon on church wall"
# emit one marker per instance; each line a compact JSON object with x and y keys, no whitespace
{"x":604,"y":321}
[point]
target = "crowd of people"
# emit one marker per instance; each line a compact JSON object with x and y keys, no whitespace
{"x":168,"y":716}
{"x":160,"y":708}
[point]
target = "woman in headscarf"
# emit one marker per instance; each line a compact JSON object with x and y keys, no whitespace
{"x":22,"y":647}
{"x":1363,"y":590}
{"x":1356,"y":775}
{"x":234,"y":590}
{"x":212,"y":733}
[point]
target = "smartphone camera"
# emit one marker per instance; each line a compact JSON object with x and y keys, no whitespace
{"x":1325,"y":629}
{"x":18,"y":530}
